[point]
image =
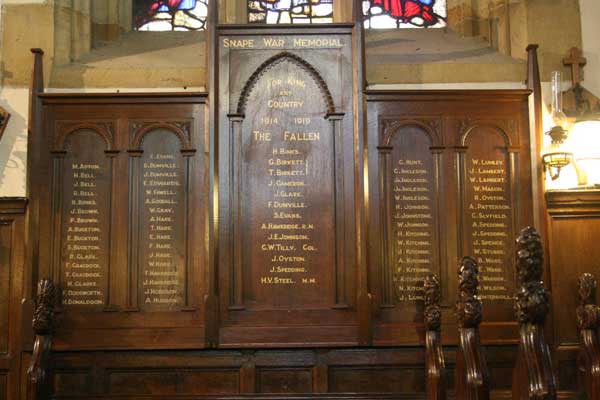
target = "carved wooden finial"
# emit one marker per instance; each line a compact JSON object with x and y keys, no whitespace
{"x":43,"y":317}
{"x":433,"y":312}
{"x":587,"y":311}
{"x":468,"y":306}
{"x":531,"y":302}
{"x":576,"y":61}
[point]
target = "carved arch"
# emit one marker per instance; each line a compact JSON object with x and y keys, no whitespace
{"x":101,"y":130}
{"x":430,"y":127}
{"x":275,"y":60}
{"x":141,"y":133}
{"x":468,"y":129}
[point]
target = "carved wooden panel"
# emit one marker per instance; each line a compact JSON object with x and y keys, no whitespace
{"x":82,"y":187}
{"x":286,"y":154}
{"x":122,"y":222}
{"x":160,"y":245}
{"x":448,"y":177}
{"x":410,"y":187}
{"x":488,"y":180}
{"x":286,"y":157}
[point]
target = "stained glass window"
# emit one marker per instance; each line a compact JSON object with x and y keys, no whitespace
{"x":169,"y":15}
{"x":404,"y":13}
{"x":290,"y":11}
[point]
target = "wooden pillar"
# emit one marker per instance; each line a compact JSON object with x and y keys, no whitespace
{"x":472,"y":378}
{"x":211,"y":299}
{"x":364,"y":298}
{"x":34,"y":139}
{"x":533,"y":377}
{"x":588,"y":322}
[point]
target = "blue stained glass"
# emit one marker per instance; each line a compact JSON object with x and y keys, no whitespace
{"x":290,"y":11}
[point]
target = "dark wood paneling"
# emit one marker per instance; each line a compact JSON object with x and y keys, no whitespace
{"x":123,"y":220}
{"x":12,"y":273}
{"x":72,"y":382}
{"x":392,"y":379}
{"x":287,"y":173}
{"x":282,"y":380}
{"x":454,"y":167}
{"x":574,"y":224}
{"x":222,"y":372}
{"x":4,"y":386}
{"x":574,"y":228}
{"x":6,"y":244}
{"x":448,"y":129}
{"x":172,"y":382}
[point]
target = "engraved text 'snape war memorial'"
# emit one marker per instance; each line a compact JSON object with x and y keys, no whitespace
{"x":274,"y":234}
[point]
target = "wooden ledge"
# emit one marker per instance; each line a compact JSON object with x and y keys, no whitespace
{"x":13,"y":205}
{"x":559,"y":199}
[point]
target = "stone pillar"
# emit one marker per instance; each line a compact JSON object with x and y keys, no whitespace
{"x":125,"y":15}
{"x":81,"y":38}
{"x":105,"y":20}
{"x":63,"y":31}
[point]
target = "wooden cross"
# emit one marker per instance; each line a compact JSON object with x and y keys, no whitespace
{"x":576,"y":61}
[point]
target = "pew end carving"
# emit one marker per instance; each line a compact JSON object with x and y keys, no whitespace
{"x":588,"y":322}
{"x":434,"y":354}
{"x":533,"y":377}
{"x":39,"y":373}
{"x":471,"y":375}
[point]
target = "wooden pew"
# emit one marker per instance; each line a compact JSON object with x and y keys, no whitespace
{"x":588,"y":321}
{"x":472,"y":378}
{"x":39,"y":373}
{"x":533,"y":377}
{"x":434,"y":354}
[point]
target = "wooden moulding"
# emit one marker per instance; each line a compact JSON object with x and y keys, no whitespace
{"x":39,"y":373}
{"x":434,"y":354}
{"x":588,"y":321}
{"x":533,"y":377}
{"x":472,"y":378}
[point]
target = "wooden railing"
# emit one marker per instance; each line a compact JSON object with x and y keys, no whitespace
{"x":39,"y":373}
{"x":434,"y":354}
{"x":472,"y":378}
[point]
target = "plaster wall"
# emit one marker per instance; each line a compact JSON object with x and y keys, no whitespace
{"x":13,"y":149}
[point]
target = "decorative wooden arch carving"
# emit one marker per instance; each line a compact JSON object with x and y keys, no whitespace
{"x":278,"y":59}
{"x":429,"y":126}
{"x":469,"y":126}
{"x":102,"y":130}
{"x":141,"y":132}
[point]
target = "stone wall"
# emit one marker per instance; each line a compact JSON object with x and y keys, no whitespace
{"x":68,"y":30}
